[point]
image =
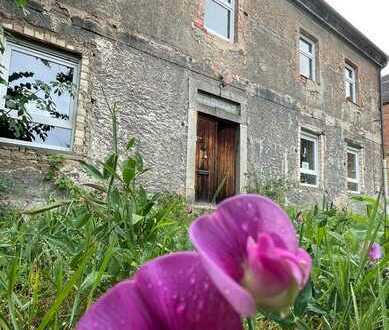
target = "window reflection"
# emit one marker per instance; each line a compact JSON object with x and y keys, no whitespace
{"x":38,"y":105}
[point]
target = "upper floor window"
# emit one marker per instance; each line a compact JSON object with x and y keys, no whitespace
{"x":309,"y":159}
{"x":307,"y":57}
{"x":353,"y":175}
{"x":37,"y":105}
{"x":350,"y":79}
{"x":219,"y":17}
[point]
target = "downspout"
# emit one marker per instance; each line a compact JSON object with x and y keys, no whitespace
{"x":384,"y":167}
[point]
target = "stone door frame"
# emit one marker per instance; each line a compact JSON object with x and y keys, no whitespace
{"x":230,"y":104}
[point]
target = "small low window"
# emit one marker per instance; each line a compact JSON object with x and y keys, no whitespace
{"x":37,"y":106}
{"x":309,"y":173}
{"x":353,"y":174}
{"x":219,"y":17}
{"x":350,"y":83}
{"x":307,"y":58}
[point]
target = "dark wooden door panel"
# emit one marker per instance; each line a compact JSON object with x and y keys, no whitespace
{"x":215,"y":159}
{"x":205,"y":158}
{"x":226,"y":159}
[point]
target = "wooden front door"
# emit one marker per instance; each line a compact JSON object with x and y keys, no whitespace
{"x":215,"y":159}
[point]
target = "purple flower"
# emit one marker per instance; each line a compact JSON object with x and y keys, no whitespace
{"x":250,"y":250}
{"x":375,"y":252}
{"x":169,"y":293}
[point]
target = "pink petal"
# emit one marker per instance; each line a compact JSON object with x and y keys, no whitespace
{"x":121,"y":308}
{"x":221,"y":239}
{"x":170,"y":293}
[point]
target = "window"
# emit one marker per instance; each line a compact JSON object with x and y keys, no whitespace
{"x":350,"y":83}
{"x":307,"y":58}
{"x":37,"y":106}
{"x":219,"y":17}
{"x":353,"y":169}
{"x":309,"y":159}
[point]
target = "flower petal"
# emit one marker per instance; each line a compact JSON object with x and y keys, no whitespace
{"x":121,"y":308}
{"x":169,"y":293}
{"x":221,"y":239}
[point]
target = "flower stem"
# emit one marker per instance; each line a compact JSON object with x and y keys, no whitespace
{"x":251,"y":323}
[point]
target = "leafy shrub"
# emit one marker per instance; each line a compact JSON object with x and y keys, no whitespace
{"x":55,"y":260}
{"x":274,"y":187}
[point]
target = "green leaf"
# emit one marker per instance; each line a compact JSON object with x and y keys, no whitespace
{"x":136,"y":218}
{"x":99,"y":275}
{"x":130,"y":143}
{"x":46,"y":208}
{"x":66,"y":290}
{"x":91,"y":170}
{"x":129,"y":171}
{"x":21,"y":3}
{"x":109,"y":166}
{"x":303,"y":299}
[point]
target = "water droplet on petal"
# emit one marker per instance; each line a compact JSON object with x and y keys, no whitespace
{"x":245,"y":227}
{"x":180,"y":308}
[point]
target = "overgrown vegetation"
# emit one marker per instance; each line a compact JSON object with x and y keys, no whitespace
{"x":55,"y":261}
{"x":274,"y":187}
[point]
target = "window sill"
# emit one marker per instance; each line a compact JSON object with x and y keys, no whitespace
{"x":354,"y":192}
{"x":36,"y":147}
{"x":212,"y":33}
{"x":353,"y":103}
{"x":307,"y":185}
{"x":305,"y":80}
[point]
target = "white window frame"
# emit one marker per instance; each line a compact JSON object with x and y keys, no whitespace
{"x":352,"y":81}
{"x":311,"y":56}
{"x":231,"y":8}
{"x":315,"y":139}
{"x":52,"y":56}
{"x":356,"y":153}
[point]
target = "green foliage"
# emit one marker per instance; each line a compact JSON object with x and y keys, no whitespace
{"x":55,"y":260}
{"x":346,"y":290}
{"x":274,"y":187}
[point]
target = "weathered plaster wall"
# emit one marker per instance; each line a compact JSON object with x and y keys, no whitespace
{"x":143,"y":55}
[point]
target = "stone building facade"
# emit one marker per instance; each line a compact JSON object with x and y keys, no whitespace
{"x":287,"y":88}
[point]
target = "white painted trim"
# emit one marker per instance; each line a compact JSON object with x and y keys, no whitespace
{"x":315,"y":139}
{"x":52,"y":56}
{"x":352,"y":81}
{"x":356,"y":153}
{"x":231,"y":8}
{"x":311,"y":56}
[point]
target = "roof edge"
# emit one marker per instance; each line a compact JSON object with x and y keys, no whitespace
{"x":328,"y":16}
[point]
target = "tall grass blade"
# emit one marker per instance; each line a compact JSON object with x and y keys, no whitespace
{"x":66,"y":290}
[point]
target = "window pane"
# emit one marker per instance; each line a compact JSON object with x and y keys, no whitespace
{"x":349,"y":90}
{"x":307,"y":156}
{"x":306,"y":46}
{"x":352,"y":186}
{"x":217,"y":18}
{"x":35,"y":132}
{"x":349,"y":73}
{"x":308,"y":179}
{"x":351,"y":165}
{"x":39,"y":90}
{"x":25,"y":73}
{"x":56,"y":136}
{"x":306,"y":67}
